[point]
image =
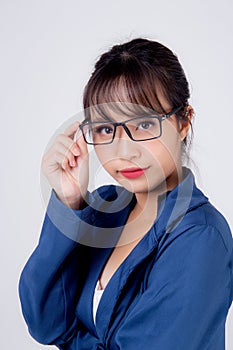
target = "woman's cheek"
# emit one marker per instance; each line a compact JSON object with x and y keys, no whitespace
{"x":171,"y":144}
{"x":165,"y":155}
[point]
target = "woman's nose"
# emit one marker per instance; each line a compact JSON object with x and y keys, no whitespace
{"x":125,"y":147}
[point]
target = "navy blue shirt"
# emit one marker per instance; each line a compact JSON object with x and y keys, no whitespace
{"x":172,"y":292}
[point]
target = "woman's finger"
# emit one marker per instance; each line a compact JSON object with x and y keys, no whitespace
{"x":79,"y":139}
{"x":67,"y":143}
{"x":64,"y":157}
{"x":71,"y":129}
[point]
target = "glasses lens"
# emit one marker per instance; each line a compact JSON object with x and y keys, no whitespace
{"x":144,"y":128}
{"x":99,"y":133}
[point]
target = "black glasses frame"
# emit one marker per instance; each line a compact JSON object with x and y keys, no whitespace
{"x":161,"y":118}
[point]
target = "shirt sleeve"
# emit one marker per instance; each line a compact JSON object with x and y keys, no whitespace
{"x":47,"y":289}
{"x":187,"y":298}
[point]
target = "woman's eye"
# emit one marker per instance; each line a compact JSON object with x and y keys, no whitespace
{"x":145,"y":125}
{"x":104,"y":130}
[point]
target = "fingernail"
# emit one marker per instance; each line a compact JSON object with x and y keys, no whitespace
{"x":76,"y":151}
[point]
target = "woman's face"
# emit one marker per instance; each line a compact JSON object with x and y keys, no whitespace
{"x":145,"y":166}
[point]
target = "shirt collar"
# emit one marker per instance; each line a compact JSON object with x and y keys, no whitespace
{"x":110,"y":215}
{"x":174,"y":204}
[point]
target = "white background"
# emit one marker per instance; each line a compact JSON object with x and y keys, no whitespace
{"x":48,"y":50}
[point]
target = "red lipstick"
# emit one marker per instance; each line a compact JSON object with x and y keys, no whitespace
{"x":132,"y":173}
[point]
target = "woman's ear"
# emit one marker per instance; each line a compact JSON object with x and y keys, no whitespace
{"x":185,"y":123}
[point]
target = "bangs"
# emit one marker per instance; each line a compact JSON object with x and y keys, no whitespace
{"x":132,"y":92}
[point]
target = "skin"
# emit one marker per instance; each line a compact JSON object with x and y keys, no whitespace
{"x":65,"y":165}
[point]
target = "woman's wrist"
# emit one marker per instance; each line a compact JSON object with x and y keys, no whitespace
{"x":74,"y":203}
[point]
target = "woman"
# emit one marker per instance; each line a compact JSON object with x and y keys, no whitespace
{"x":143,"y":265}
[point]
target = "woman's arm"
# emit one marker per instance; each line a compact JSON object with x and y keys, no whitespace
{"x":47,"y":287}
{"x":188,"y":296}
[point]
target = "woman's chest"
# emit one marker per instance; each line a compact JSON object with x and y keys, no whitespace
{"x":125,"y":284}
{"x":119,"y":254}
{"x":132,"y":233}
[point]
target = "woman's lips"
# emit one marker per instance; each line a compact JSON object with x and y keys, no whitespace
{"x":133,"y":173}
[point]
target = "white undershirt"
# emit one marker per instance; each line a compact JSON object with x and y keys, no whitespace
{"x":96,"y":299}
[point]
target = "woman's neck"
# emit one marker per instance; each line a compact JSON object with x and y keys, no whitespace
{"x":144,"y":213}
{"x":146,"y":200}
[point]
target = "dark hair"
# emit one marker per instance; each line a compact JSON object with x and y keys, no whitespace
{"x":138,"y":68}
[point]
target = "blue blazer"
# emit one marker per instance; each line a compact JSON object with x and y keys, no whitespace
{"x":172,"y":292}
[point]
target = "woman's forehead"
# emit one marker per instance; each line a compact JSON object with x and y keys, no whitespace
{"x":119,"y":111}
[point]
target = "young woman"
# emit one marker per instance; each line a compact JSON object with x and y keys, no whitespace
{"x":143,"y":265}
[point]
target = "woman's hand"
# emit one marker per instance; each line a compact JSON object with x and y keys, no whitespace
{"x":66,"y":166}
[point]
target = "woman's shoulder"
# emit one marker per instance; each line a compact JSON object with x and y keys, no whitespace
{"x":188,"y":213}
{"x":213,"y":219}
{"x":200,"y":213}
{"x":203,"y":222}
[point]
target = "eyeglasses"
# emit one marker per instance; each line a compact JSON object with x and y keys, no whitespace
{"x":138,"y":129}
